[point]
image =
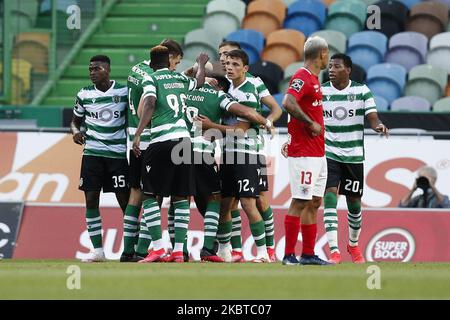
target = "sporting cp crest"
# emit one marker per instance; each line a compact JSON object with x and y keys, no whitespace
{"x":351,"y":97}
{"x":116,"y":99}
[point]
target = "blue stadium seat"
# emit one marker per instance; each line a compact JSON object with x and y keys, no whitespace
{"x":407,"y":49}
{"x":251,"y":41}
{"x":387,"y":80}
{"x":279,"y":98}
{"x":367,"y":48}
{"x":306,"y":16}
{"x":381,"y":103}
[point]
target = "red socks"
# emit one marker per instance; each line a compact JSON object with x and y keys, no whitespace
{"x":291,"y":227}
{"x":309,"y":233}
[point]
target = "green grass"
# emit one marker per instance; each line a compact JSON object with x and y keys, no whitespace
{"x":46,"y":279}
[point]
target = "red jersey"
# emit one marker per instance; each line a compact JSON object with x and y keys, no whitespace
{"x":305,"y":87}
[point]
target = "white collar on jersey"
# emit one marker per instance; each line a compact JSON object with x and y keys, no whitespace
{"x":348,"y":86}
{"x":163,"y":69}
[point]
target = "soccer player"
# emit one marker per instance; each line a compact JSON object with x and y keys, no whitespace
{"x":206,"y":106}
{"x":306,"y":153}
{"x":261,"y":202}
{"x":167,"y":162}
{"x":136,"y":78}
{"x":240,"y":170}
{"x":104,"y":165}
{"x":345,"y":104}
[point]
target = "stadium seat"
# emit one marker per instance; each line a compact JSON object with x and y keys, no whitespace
{"x":289,"y":71}
{"x":393,"y":17}
{"x":23,"y":15}
{"x":223,"y":17}
{"x":279,"y":98}
{"x":386,"y":80}
{"x":439,"y":53}
{"x":251,"y":41}
{"x":269,"y":72}
{"x":264,"y":16}
{"x":33,"y":47}
{"x":442,"y":105}
{"x":411,"y":103}
{"x":447,"y":90}
{"x":357,"y":74}
{"x":287,"y":3}
{"x":381,"y":103}
{"x":408,"y":49}
{"x":367,"y":48}
{"x":306,"y":16}
{"x":185,"y":64}
{"x":337,"y":41}
{"x":427,"y":82}
{"x":22,"y":69}
{"x":410,"y":3}
{"x":284,"y":47}
{"x":429,"y":18}
{"x":347,"y":17}
{"x":200,"y":40}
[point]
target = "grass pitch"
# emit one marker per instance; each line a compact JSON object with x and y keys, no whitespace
{"x":47,"y":279}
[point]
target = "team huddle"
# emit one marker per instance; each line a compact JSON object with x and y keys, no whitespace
{"x":175,"y":122}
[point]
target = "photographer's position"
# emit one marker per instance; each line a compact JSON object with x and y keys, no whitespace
{"x":430,"y":197}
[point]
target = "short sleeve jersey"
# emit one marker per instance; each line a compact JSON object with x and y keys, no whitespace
{"x":305,"y":88}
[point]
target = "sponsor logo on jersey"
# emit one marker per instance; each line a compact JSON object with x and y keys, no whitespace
{"x":297,"y":84}
{"x":393,"y":244}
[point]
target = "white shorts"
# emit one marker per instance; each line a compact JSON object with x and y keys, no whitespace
{"x":308,"y":177}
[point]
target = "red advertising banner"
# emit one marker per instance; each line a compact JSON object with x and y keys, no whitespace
{"x":59,"y":232}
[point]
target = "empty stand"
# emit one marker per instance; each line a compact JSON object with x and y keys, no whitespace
{"x":284,"y":47}
{"x":387,"y":80}
{"x":429,"y":18}
{"x":393,"y":17}
{"x":367,"y":48}
{"x":408,"y":49}
{"x":251,"y":41}
{"x":411,"y":103}
{"x":439,"y":54}
{"x":33,"y":47}
{"x":264,"y":16}
{"x":442,"y":105}
{"x":200,"y":40}
{"x":269,"y":72}
{"x":223,"y":17}
{"x":306,"y":16}
{"x":381,"y":103}
{"x":427,"y":82}
{"x":337,"y":41}
{"x":347,"y":17}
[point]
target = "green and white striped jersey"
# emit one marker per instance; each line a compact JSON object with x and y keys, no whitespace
{"x":247,"y":95}
{"x":343,"y":112}
{"x":135,"y":82}
{"x":170,"y":89}
{"x":104,"y":114}
{"x":208,"y":102}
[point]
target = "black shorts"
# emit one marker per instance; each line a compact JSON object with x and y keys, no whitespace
{"x":240,"y":180}
{"x":135,"y":169}
{"x":164,"y":176}
{"x":349,"y":177}
{"x":99,"y":173}
{"x":263,"y":181}
{"x":207,"y":179}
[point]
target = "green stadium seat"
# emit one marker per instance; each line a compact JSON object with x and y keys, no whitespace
{"x":200,"y":40}
{"x":337,"y":41}
{"x":223,"y":17}
{"x":439,"y":53}
{"x":346,"y":16}
{"x":442,"y":105}
{"x":427,"y":82}
{"x":127,"y":57}
{"x":160,"y":9}
{"x":155,"y":25}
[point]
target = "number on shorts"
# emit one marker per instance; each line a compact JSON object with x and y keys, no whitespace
{"x":305,"y":177}
{"x":119,"y":181}
{"x":243,"y":185}
{"x":352,"y":186}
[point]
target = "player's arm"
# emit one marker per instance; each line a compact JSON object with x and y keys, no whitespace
{"x":275,"y":109}
{"x":148,"y":107}
{"x":291,"y":106}
{"x":376,"y":124}
{"x":200,"y":75}
{"x":77,"y":119}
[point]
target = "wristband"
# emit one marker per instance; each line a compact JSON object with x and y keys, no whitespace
{"x":268,"y":123}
